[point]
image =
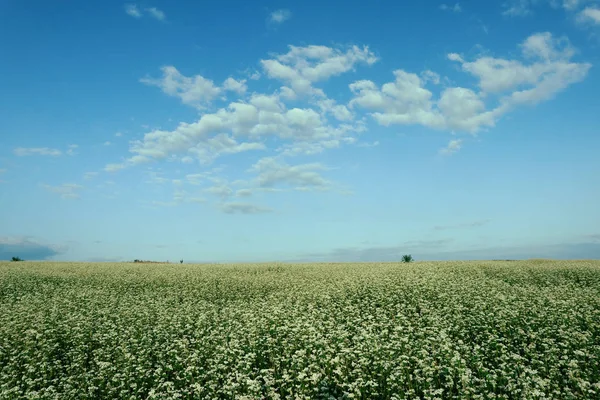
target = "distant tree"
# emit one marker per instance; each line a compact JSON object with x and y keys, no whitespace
{"x":181,"y":261}
{"x":407,"y":258}
{"x":17,"y":259}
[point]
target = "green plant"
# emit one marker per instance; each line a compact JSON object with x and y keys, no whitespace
{"x":16,"y":259}
{"x":181,"y":261}
{"x":407,"y":258}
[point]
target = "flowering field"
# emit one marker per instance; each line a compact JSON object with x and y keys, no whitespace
{"x":439,"y":330}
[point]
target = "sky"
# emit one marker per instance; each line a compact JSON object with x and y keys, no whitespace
{"x":285,"y":130}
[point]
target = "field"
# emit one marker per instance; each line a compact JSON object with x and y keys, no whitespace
{"x":432,"y":330}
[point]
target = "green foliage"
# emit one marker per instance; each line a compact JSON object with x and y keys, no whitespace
{"x":446,"y":330}
{"x":17,"y":259}
{"x":407,"y":258}
{"x":181,"y":261}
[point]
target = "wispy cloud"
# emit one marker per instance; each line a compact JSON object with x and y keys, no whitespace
{"x":452,"y":147}
{"x":135,"y":11}
{"x":243,"y":208}
{"x":39,"y":151}
{"x":280,"y":16}
{"x":473,"y":224}
{"x":89,"y":175}
{"x":156,"y":13}
{"x":66,"y":190}
{"x":454,"y":8}
{"x":72,"y":150}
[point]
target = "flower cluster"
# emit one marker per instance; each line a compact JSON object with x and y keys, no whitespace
{"x":444,"y":330}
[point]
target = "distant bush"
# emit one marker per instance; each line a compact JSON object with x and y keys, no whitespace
{"x":17,"y":259}
{"x":407,"y":258}
{"x":181,"y":261}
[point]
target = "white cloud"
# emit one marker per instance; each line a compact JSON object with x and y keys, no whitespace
{"x":195,"y":91}
{"x":133,"y":10}
{"x":521,"y":8}
{"x":66,"y":190}
{"x":374,"y":144}
{"x":3,"y":170}
{"x":72,"y":149}
{"x":513,"y":83}
{"x":235,"y":86}
{"x":452,"y":147}
{"x":107,"y":143}
{"x":243,"y":193}
{"x":455,"y":8}
{"x":156,"y":13}
{"x":222,"y":191}
{"x":243,"y":208}
{"x":430,"y":76}
{"x":118,"y":134}
{"x":89,"y":175}
{"x":300,"y":67}
{"x":589,"y":14}
{"x":40,"y":151}
{"x":272,"y":172}
{"x":262,"y":115}
{"x":338,"y":111}
{"x":518,"y":8}
{"x":155,"y":177}
{"x":114,"y":167}
{"x":280,"y":16}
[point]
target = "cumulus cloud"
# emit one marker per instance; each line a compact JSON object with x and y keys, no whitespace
{"x":272,"y":172}
{"x":236,"y":86}
{"x":195,"y":91}
{"x":301,"y":67}
{"x":27,"y":248}
{"x":243,"y":208}
{"x":545,"y":70}
{"x":280,"y":16}
{"x":590,"y":15}
{"x":33,"y":151}
{"x":66,"y":190}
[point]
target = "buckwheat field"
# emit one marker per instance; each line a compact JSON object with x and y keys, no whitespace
{"x":430,"y":330}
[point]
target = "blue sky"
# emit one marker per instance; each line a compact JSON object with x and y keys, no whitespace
{"x":299,"y":130}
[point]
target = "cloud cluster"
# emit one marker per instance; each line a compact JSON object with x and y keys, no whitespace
{"x":545,"y":70}
{"x":303,"y":120}
{"x":583,"y":15}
